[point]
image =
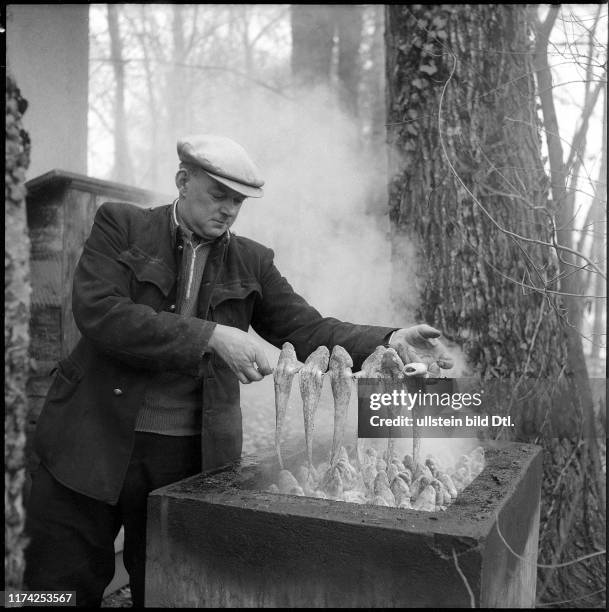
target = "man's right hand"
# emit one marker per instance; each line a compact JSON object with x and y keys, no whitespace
{"x":243,"y":355}
{"x":420,"y":343}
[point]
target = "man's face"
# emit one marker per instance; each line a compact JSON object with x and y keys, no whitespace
{"x":207,"y":207}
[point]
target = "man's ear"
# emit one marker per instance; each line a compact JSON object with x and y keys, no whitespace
{"x":182,"y":180}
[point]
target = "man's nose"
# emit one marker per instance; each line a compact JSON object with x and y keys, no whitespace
{"x":230,"y":207}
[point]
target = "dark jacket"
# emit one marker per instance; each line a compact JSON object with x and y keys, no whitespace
{"x":123,"y":299}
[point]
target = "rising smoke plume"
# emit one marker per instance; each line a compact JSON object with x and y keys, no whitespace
{"x":319,"y":183}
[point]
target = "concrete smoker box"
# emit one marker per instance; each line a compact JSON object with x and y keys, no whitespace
{"x":212,"y":542}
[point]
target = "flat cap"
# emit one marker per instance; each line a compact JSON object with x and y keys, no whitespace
{"x":224,"y":160}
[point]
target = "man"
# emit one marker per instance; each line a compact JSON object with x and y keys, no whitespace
{"x":163,"y":298}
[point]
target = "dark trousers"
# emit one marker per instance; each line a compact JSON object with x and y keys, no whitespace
{"x":72,"y":536}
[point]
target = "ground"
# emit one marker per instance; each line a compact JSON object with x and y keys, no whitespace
{"x":119,"y":599}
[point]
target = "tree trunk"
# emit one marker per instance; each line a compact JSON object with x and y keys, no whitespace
{"x":348,"y":19}
{"x":599,"y":245}
{"x":122,"y":171}
{"x":16,"y":333}
{"x":315,"y":28}
{"x":151,"y":177}
{"x":248,"y":51}
{"x":176,"y":90}
{"x":378,"y":113}
{"x":373,"y":116}
{"x":468,"y":196}
{"x":312,"y":43}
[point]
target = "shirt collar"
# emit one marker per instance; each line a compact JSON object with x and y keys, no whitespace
{"x":174,"y":214}
{"x":182,"y":231}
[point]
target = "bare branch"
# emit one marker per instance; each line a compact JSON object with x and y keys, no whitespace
{"x":191,"y":39}
{"x":267,"y":26}
{"x":238,"y":73}
{"x":556,"y":246}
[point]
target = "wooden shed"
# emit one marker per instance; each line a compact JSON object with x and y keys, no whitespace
{"x":60,"y":210}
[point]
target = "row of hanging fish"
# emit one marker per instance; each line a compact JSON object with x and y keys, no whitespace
{"x":367,"y":477}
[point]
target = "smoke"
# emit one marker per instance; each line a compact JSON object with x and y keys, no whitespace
{"x":460,"y":369}
{"x":320,"y":184}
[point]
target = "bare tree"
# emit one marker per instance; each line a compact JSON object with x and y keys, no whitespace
{"x":598,"y":222}
{"x":312,"y":43}
{"x":469,"y":190}
{"x":570,"y":285}
{"x":321,"y":32}
{"x":179,"y":61}
{"x":377,"y":77}
{"x":348,"y":18}
{"x":143,"y":29}
{"x":122,"y":159}
{"x":564,"y":217}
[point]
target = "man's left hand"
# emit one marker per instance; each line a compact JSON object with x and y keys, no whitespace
{"x":420,"y":343}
